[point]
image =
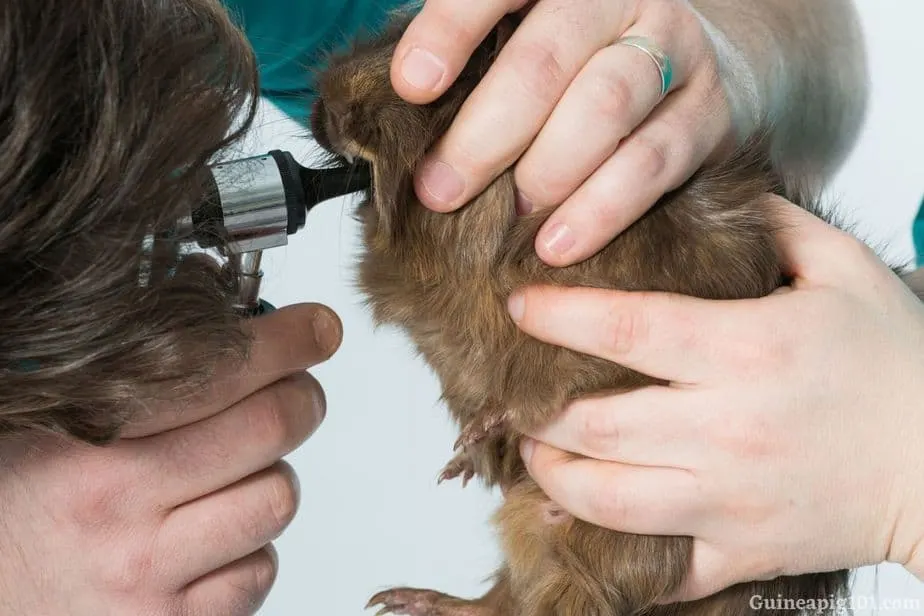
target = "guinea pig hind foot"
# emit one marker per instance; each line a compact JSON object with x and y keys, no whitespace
{"x":461,"y":464}
{"x":421,"y":602}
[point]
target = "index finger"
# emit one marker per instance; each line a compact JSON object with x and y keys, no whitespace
{"x":438,"y":43}
{"x":515,"y":98}
{"x":671,"y":337}
{"x":284,"y":342}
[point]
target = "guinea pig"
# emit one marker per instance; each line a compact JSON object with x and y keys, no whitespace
{"x":444,"y":280}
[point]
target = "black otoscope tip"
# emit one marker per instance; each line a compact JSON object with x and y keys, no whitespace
{"x":306,"y":187}
{"x":324,"y":184}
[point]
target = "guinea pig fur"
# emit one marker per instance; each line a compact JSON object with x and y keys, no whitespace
{"x":445,"y":278}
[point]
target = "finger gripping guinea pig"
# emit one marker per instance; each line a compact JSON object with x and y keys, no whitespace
{"x":445,"y":278}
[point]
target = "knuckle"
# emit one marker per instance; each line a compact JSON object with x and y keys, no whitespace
{"x":760,"y":352}
{"x":652,"y":156}
{"x":611,"y":93}
{"x":97,"y":506}
{"x":625,"y":330}
{"x":602,"y":214}
{"x":271,"y":423}
{"x":744,"y":438}
{"x":539,"y":70}
{"x":599,"y":430}
{"x":127,"y":569}
{"x":542,"y":178}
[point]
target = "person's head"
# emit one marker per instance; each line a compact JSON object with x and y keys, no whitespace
{"x":109,"y":112}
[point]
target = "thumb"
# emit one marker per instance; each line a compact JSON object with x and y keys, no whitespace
{"x":710,"y":572}
{"x":813,"y":250}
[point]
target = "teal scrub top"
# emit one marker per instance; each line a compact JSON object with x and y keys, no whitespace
{"x":290,"y":37}
{"x":918,"y":234}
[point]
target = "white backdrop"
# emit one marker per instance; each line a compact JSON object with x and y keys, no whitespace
{"x":371,"y":513}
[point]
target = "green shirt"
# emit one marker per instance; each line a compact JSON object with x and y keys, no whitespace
{"x":917,"y":232}
{"x":290,"y":37}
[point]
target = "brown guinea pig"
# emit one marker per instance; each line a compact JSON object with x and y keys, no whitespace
{"x":445,"y":278}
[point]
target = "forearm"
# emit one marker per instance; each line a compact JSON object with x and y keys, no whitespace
{"x":805,"y":63}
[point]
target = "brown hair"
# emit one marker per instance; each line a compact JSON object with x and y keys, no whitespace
{"x":109,"y":112}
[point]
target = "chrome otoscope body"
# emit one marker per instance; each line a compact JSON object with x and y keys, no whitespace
{"x":256,"y":203}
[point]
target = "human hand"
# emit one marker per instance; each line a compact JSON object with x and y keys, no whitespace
{"x":177,"y":518}
{"x":596,"y":142}
{"x":789,"y":438}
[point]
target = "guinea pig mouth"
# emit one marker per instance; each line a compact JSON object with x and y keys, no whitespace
{"x":342,"y":152}
{"x":329,"y":132}
{"x":347,"y":157}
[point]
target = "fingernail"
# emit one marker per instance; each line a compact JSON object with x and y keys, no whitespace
{"x":442,"y":182}
{"x":296,"y":487}
{"x":527,"y":445}
{"x":327,"y":331}
{"x":558,"y":239}
{"x":422,"y":69}
{"x":524,"y":205}
{"x":516,"y":306}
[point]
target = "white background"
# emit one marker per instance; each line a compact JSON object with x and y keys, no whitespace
{"x":371,"y":513}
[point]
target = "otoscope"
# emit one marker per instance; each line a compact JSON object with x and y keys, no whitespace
{"x":258,"y":202}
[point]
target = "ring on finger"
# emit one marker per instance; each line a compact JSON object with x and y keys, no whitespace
{"x":658,"y":56}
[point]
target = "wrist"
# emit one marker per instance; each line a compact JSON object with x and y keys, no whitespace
{"x":745,"y":91}
{"x":808,"y":74}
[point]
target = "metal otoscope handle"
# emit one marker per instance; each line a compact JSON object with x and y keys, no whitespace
{"x":259,"y":202}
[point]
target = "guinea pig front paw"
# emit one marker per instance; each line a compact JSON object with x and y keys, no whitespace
{"x":493,"y":423}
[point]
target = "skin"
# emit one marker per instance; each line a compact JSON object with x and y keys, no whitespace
{"x":753,"y":447}
{"x":108,"y":531}
{"x":561,"y":76}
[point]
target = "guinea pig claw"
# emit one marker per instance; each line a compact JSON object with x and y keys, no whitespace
{"x":461,"y":464}
{"x":419,"y":602}
{"x":474,"y":432}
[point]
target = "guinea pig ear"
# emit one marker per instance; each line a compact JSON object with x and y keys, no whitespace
{"x":392,"y":180}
